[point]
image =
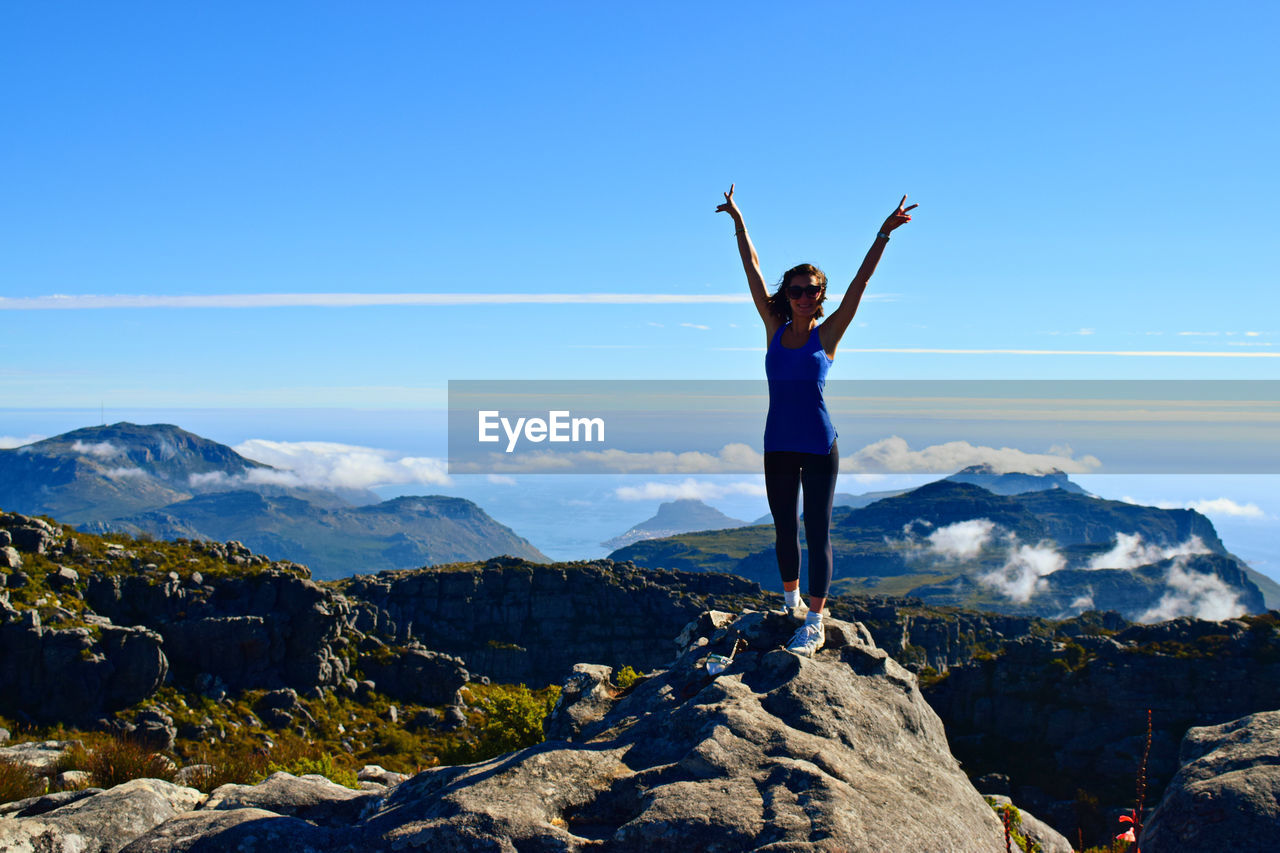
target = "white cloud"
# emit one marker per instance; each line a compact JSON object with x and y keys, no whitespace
{"x":501,"y":480}
{"x":209,"y":479}
{"x":1204,"y":596}
{"x":1082,"y":602}
{"x":352,"y":300}
{"x":962,"y":540}
{"x":1023,"y":574}
{"x":695,"y":326}
{"x":1210,"y":507}
{"x":1130,"y":552}
{"x":1226,"y":506}
{"x":337,"y":466}
{"x":101,"y":449}
{"x":8,"y":442}
{"x":894,"y":454}
{"x":125,"y":473}
{"x":1025,"y":566}
{"x":731,"y":459}
{"x":687,"y":490}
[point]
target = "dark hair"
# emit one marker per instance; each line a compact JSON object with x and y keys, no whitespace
{"x":780,"y":306}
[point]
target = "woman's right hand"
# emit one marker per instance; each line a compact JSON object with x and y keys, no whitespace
{"x":729,"y":207}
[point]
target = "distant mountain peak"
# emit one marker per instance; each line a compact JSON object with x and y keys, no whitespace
{"x":169,"y":451}
{"x":683,"y":515}
{"x":1014,"y":482}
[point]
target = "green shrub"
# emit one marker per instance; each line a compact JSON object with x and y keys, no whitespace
{"x":512,"y":719}
{"x":1075,"y":655}
{"x":321,"y":764}
{"x":626,"y":678}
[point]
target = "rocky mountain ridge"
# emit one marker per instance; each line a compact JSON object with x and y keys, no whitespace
{"x":1043,"y":553}
{"x":162,"y":481}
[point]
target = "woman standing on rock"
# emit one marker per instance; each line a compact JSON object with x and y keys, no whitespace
{"x":799,"y":439}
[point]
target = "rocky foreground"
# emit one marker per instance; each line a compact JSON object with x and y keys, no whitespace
{"x":207,"y":640}
{"x":775,"y":753}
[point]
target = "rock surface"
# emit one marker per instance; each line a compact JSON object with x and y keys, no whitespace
{"x":270,"y":629}
{"x":780,"y":753}
{"x":1226,"y":794}
{"x":777,"y":752}
{"x":312,"y":798}
{"x":40,"y":757}
{"x":1075,"y":714}
{"x":517,"y":621}
{"x":103,"y":823}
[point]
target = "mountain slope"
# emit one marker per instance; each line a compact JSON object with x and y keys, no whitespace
{"x":163,"y":481}
{"x":1029,"y":553}
{"x":403,"y":533}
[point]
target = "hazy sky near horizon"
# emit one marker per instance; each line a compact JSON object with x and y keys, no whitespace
{"x":292,"y":206}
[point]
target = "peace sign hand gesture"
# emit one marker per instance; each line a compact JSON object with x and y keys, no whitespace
{"x":898,"y":217}
{"x":729,"y":206}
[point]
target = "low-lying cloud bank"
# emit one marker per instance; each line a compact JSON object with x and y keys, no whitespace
{"x":1025,"y":568}
{"x":9,"y":442}
{"x":1211,"y":507}
{"x":328,"y":465}
{"x":1130,"y":552}
{"x":894,"y":454}
{"x":101,"y":449}
{"x":1195,"y":594}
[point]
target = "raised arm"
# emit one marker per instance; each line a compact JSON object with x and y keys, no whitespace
{"x":833,"y":328}
{"x":750,"y":263}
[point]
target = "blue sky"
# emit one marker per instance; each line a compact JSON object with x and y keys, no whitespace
{"x":1093,"y":179}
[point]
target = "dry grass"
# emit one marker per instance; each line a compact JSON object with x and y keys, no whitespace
{"x":17,"y":782}
{"x":117,"y":760}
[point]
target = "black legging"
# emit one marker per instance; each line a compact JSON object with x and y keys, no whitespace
{"x":784,"y":471}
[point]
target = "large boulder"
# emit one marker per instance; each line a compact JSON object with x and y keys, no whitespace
{"x":777,"y":752}
{"x":312,"y":798}
{"x":416,"y":675}
{"x":266,"y":629}
{"x":243,"y":829}
{"x":74,"y":674}
{"x":1226,"y":793}
{"x":102,"y":823}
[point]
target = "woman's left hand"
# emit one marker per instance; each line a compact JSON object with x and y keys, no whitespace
{"x":898,"y":217}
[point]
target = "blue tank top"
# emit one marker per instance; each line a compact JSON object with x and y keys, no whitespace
{"x":798,"y":419}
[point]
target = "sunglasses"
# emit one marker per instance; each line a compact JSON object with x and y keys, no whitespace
{"x":795,"y":291}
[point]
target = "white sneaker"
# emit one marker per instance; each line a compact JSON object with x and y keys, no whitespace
{"x":807,"y":639}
